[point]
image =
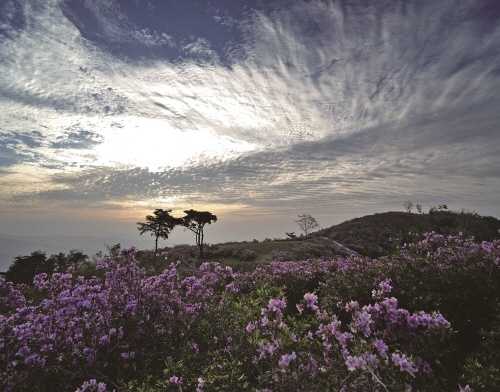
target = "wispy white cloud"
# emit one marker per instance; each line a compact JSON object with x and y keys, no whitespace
{"x":321,"y":102}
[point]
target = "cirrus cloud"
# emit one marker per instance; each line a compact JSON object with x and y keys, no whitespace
{"x":277,"y":107}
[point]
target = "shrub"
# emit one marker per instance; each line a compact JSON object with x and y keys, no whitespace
{"x":459,"y":277}
{"x":281,"y":255}
{"x":245,"y":254}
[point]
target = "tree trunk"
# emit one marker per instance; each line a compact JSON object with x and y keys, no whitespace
{"x":201,"y":252}
{"x":156,"y":245}
{"x":201,"y":245}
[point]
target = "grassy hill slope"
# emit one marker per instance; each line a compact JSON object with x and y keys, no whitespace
{"x":372,"y":235}
{"x":378,"y":234}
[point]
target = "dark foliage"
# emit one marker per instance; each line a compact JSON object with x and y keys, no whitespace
{"x":24,"y":268}
{"x":159,"y":225}
{"x":196,"y":222}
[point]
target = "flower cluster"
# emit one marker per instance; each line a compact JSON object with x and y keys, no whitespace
{"x":92,"y":386}
{"x":452,"y":250}
{"x":83,"y":325}
{"x":10,"y":297}
{"x":369,"y":343}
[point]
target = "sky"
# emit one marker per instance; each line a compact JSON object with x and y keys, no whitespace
{"x":254,"y":110}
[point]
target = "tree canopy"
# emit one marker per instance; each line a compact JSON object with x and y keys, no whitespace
{"x":307,"y":223}
{"x":159,"y":225}
{"x":24,"y":268}
{"x":196,"y":221}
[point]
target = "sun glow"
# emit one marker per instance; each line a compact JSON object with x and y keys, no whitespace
{"x":152,"y":144}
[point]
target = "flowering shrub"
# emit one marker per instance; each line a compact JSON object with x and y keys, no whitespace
{"x":351,"y":324}
{"x":456,"y":275}
{"x":316,"y":350}
{"x":117,"y":325}
{"x":10,"y":297}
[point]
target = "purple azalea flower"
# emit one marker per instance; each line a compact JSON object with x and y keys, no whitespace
{"x":286,"y":359}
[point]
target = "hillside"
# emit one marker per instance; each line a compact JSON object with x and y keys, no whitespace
{"x":378,"y":234}
{"x":372,"y":235}
{"x":249,"y":253}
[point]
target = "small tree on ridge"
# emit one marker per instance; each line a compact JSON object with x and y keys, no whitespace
{"x":307,"y":223}
{"x":196,"y":221}
{"x":408,"y":205}
{"x":160,"y":224}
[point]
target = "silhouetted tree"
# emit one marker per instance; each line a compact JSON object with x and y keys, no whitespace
{"x":160,"y":224}
{"x":196,"y":221}
{"x":24,"y":268}
{"x":408,"y":205}
{"x":307,"y":223}
{"x":114,"y":250}
{"x":419,"y":208}
{"x":439,"y":208}
{"x":60,"y":262}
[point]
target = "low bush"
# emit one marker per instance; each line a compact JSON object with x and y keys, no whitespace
{"x":245,"y":254}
